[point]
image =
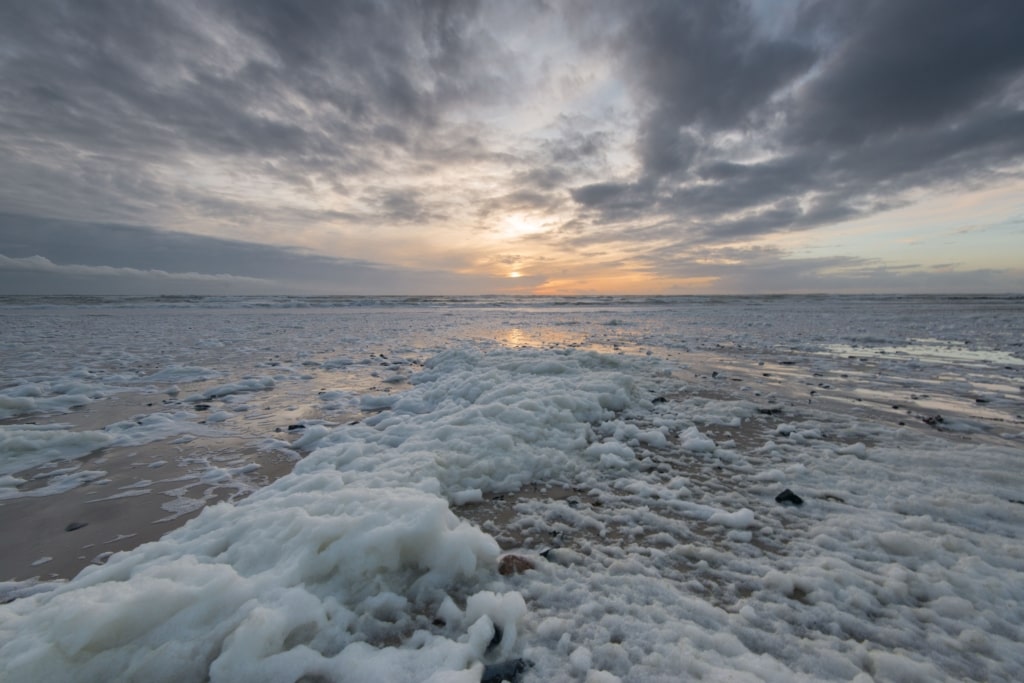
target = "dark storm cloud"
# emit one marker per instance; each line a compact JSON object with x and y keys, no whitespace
{"x":296,"y":90}
{"x":912,"y":65}
{"x":850,"y":106}
{"x":702,"y":65}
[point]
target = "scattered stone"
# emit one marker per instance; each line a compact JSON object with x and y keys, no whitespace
{"x":934,"y":421}
{"x":787,"y":362}
{"x":770,"y":411}
{"x":513,"y":564}
{"x":74,"y":526}
{"x":715,"y":373}
{"x":505,"y":671}
{"x":200,"y":407}
{"x":562,"y":556}
{"x":659,"y":399}
{"x":789,"y":497}
{"x":296,"y":427}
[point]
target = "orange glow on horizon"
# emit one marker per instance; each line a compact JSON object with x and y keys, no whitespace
{"x":625,"y":284}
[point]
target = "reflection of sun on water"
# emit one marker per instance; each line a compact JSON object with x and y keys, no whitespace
{"x":540,"y":337}
{"x":516,"y":337}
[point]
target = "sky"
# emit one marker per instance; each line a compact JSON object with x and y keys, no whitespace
{"x":530,"y":147}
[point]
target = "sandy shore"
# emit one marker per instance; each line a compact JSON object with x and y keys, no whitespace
{"x":140,"y":493}
{"x":145,"y":492}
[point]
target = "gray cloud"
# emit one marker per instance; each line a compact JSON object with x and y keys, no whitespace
{"x":39,"y":275}
{"x":701,"y":66}
{"x":296,"y":92}
{"x":761,"y":269}
{"x":853,"y":108}
{"x":720,"y":120}
{"x":911,"y":66}
{"x":48,"y":256}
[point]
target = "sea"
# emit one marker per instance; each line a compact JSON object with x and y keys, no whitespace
{"x":486,"y":488}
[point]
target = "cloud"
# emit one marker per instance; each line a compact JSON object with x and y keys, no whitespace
{"x":50,"y":256}
{"x":320,"y":92}
{"x":348,"y":128}
{"x":839,"y":115}
{"x":701,"y":67}
{"x":911,"y":66}
{"x":770,"y":270}
{"x":39,"y":275}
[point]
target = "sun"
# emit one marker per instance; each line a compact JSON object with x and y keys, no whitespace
{"x":518,"y":225}
{"x":515,"y":274}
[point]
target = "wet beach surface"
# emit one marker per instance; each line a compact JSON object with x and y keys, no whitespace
{"x":132,"y":495}
{"x":798,"y":488}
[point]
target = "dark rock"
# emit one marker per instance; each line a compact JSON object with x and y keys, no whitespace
{"x":75,"y":526}
{"x":200,"y":407}
{"x":513,"y":564}
{"x":660,"y":399}
{"x":934,"y":421}
{"x":296,"y":427}
{"x":788,"y":497}
{"x":769,"y":411}
{"x":505,"y":671}
{"x":715,"y":373}
{"x":787,"y":362}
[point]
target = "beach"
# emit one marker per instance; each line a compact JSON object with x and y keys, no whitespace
{"x":535,"y":488}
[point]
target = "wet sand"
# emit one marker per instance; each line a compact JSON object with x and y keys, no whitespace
{"x":146,"y":491}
